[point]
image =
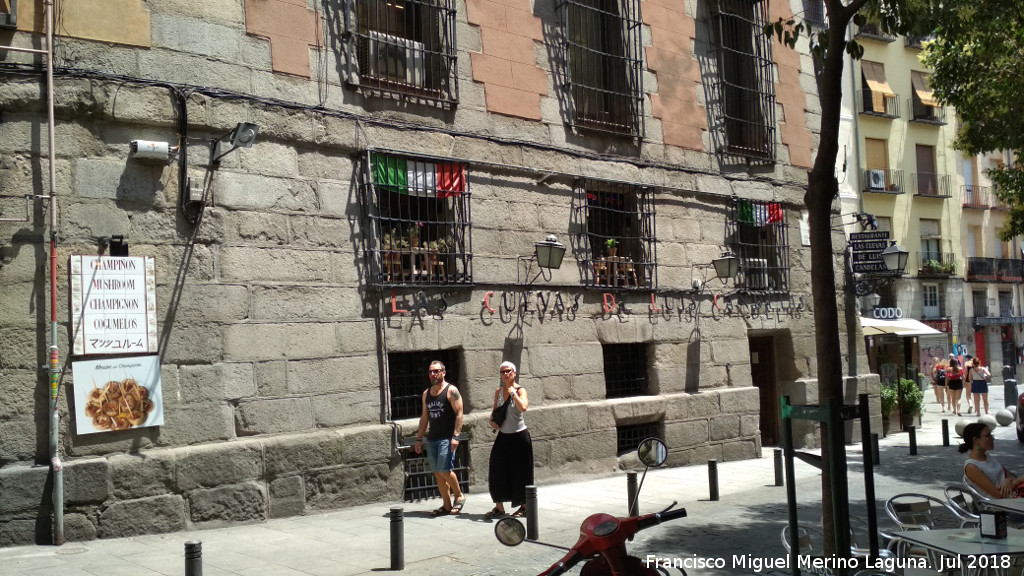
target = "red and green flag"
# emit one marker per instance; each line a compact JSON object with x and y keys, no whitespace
{"x":408,"y":176}
{"x":759,"y":213}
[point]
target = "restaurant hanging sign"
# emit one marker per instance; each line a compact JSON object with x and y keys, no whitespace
{"x":113,"y":304}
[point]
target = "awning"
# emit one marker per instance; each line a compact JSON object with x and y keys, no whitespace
{"x":874,"y":77}
{"x":904,"y":327}
{"x":920,"y":84}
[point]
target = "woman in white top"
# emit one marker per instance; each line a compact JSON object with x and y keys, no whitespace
{"x":983,"y":470}
{"x":511,"y":466}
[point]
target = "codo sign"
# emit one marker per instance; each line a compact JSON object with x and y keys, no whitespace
{"x":888,"y":313}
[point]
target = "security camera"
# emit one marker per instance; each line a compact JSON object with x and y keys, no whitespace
{"x":146,"y":150}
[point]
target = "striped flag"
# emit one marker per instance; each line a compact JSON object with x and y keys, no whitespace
{"x":431,"y":179}
{"x":759,"y":213}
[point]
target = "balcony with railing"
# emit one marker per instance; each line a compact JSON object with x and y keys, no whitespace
{"x":874,"y":31}
{"x":883,"y":181}
{"x":936,"y":265}
{"x":975,"y":196}
{"x":1009,"y":270}
{"x":917,"y":42}
{"x":879,"y":104}
{"x":924,"y":114}
{"x":931,"y":185}
{"x":981,"y":269}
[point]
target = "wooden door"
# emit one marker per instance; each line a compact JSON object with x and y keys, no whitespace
{"x":762,"y":372}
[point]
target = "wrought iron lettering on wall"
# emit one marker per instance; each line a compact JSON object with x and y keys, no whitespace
{"x":508,"y":306}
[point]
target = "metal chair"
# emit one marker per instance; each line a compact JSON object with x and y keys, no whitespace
{"x":962,"y":501}
{"x":979,"y":497}
{"x":912,"y":511}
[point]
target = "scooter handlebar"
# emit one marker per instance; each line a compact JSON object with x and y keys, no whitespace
{"x":659,"y":517}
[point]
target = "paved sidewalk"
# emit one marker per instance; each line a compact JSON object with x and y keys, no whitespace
{"x":745,"y":522}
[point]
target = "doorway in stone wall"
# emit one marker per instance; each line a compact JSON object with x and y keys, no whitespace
{"x":762,"y":372}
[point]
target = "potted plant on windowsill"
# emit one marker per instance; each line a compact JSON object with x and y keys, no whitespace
{"x":612,"y":245}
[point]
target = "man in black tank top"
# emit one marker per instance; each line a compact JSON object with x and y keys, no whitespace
{"x":441,"y":421}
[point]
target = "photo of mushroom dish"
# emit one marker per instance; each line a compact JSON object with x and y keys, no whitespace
{"x":118,"y":405}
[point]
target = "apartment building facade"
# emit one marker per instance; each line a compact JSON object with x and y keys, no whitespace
{"x":903,"y":177}
{"x":271,"y":216}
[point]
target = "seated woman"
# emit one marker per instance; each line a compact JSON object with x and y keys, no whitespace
{"x":983,"y":470}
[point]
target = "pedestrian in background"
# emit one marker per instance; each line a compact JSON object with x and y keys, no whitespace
{"x":939,"y":382}
{"x":955,"y":385}
{"x":979,"y":376}
{"x":441,"y":421}
{"x":511,"y":466}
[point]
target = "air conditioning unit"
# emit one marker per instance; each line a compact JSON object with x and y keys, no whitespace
{"x":395,"y":58}
{"x":756,"y":273}
{"x":876,"y":179}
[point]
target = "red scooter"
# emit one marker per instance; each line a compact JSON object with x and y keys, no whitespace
{"x":603,"y":537}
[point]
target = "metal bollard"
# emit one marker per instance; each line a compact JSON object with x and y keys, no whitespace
{"x":713,"y":479}
{"x":875,"y":456}
{"x":397,"y":538}
{"x":778,"y":467}
{"x":945,"y":432}
{"x":633,"y":507}
{"x":912,"y":431}
{"x":532,"y":528}
{"x":194,"y":558}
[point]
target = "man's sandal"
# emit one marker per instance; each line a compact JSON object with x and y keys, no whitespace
{"x":520,"y":512}
{"x":442,"y":511}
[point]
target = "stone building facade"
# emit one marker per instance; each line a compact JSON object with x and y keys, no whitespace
{"x":295,"y":314}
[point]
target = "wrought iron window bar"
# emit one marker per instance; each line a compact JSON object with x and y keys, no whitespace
{"x":874,"y":31}
{"x":602,"y":51}
{"x":981,"y":269}
{"x":758,"y":233}
{"x":404,"y":48}
{"x":745,"y":91}
{"x":889,"y":109}
{"x":936,"y":264}
{"x":931,"y":185}
{"x":625,"y":370}
{"x":922,"y":114}
{"x":880,"y":181}
{"x":420,"y":483}
{"x":615,"y":247}
{"x":975,"y":196}
{"x":628,"y":437}
{"x":418,"y":211}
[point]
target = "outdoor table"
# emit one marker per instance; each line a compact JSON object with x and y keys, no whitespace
{"x":1015,"y":505}
{"x":967,"y":551}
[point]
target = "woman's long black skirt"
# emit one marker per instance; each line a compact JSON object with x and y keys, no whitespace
{"x":511,"y":469}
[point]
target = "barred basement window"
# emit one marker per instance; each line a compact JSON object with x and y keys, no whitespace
{"x":758,"y":232}
{"x":617,"y":234}
{"x":405,"y":48}
{"x":630,"y":437}
{"x":420,"y":483}
{"x":408,"y":377}
{"x":625,"y":370}
{"x":603,"y":54}
{"x":418,"y":209}
{"x":746,"y":89}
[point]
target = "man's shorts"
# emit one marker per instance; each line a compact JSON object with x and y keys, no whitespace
{"x":440,"y":456}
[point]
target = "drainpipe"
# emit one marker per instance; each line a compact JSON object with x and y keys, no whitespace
{"x":55,"y":463}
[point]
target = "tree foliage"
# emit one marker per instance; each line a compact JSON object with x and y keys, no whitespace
{"x":977,"y":59}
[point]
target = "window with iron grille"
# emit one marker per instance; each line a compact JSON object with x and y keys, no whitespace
{"x":745,"y":90}
{"x":408,"y":378}
{"x":418,"y":209}
{"x":758,"y":233}
{"x":420,"y":483}
{"x":604,"y":69}
{"x":625,"y":370}
{"x":979,"y":300}
{"x":629,"y":437}
{"x":405,"y":48}
{"x":616,"y":239}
